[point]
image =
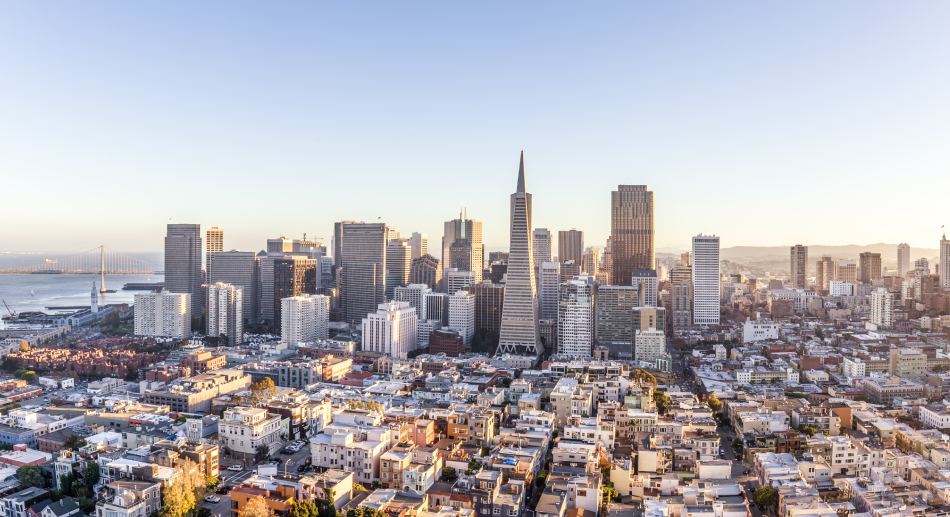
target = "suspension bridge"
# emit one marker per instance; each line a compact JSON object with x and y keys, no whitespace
{"x":97,"y":261}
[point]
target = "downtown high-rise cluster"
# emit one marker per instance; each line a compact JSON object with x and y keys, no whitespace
{"x":550,"y":292}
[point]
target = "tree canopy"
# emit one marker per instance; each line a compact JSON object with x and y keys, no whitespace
{"x":643,"y":376}
{"x":255,"y":507}
{"x":662,"y":402}
{"x":714,"y":403}
{"x":30,"y":476}
{"x":261,"y":392}
{"x":766,"y":496}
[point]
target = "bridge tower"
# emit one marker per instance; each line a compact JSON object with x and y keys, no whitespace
{"x":102,"y":269}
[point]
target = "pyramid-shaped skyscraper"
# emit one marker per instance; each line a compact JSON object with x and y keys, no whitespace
{"x":519,"y":317}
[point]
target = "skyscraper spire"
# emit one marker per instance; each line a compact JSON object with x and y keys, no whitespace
{"x":521,"y":187}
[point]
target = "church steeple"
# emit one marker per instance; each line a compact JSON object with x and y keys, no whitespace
{"x":521,"y":187}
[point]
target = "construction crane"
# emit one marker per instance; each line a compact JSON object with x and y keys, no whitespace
{"x":10,"y":311}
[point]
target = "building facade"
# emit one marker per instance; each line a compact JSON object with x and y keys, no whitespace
{"x":183,"y":263}
{"x":462,"y":315}
{"x":575,"y":322}
{"x":631,"y":232}
{"x":362,"y":269}
{"x":226,"y":312}
{"x":164,"y":314}
{"x":391,"y":330}
{"x":304,"y":318}
{"x":706,"y":280}
{"x":798,"y":266}
{"x":238,"y":268}
{"x":570,"y":246}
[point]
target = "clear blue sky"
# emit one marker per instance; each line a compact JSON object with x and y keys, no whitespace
{"x":766,"y":123}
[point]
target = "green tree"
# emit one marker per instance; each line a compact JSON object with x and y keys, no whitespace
{"x":506,"y":382}
{"x":30,"y":476}
{"x":91,"y":474}
{"x":643,"y":376}
{"x":807,"y":429}
{"x":24,"y":346}
{"x":611,"y":493}
{"x":364,"y":512}
{"x":861,"y":398}
{"x":766,"y":497}
{"x":74,"y":443}
{"x":304,"y":509}
{"x":714,"y":403}
{"x":263,"y":452}
{"x":325,"y":505}
{"x":211,"y":482}
{"x":256,"y":507}
{"x":541,"y":479}
{"x":662,"y":402}
{"x":448,"y":475}
{"x":737,"y":443}
{"x":485,"y":451}
{"x":261,"y":392}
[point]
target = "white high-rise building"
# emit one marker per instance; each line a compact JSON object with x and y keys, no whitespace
{"x":456,"y":280}
{"x":839,"y":288}
{"x":649,"y":344}
{"x":415,"y":294}
{"x":163,"y":314}
{"x":226,"y":312}
{"x":541,"y":241}
{"x":706,"y":286}
{"x":575,"y":317}
{"x":882,"y":305}
{"x":391,"y":330}
{"x":648,"y":280}
{"x":304,"y":318}
{"x":462,"y":315}
{"x":943,"y":268}
{"x":94,"y":307}
{"x":549,"y":275}
{"x":903,"y":259}
{"x":419,"y":244}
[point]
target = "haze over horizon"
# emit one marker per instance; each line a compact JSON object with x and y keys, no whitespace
{"x":765,"y":124}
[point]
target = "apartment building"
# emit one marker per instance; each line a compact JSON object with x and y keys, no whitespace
{"x":243,"y":429}
{"x":194,"y":394}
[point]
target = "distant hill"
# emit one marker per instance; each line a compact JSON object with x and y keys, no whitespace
{"x":887,"y":251}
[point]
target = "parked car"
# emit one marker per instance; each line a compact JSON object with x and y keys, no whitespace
{"x":236,"y":468}
{"x":223,"y":489}
{"x":301,"y":468}
{"x":213,"y":499}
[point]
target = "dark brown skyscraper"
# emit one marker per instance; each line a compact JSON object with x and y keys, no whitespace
{"x":292,"y":276}
{"x":570,"y":246}
{"x":869,"y":266}
{"x":631,"y":232}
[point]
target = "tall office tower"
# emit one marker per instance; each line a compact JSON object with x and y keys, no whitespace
{"x":648,"y":284}
{"x":882,"y":306}
{"x":183,"y":263}
{"x":304,"y":318}
{"x":362,"y":269}
{"x":391,"y":330}
{"x":869,"y":266}
{"x":921,"y":268}
{"x":426,"y":270}
{"x":570,"y":245}
{"x":392,"y":233}
{"x":489,"y":304}
{"x":437,"y":307}
{"x":338,"y":252}
{"x":575,"y":317}
{"x":943,"y":268}
{"x":680,"y":306}
{"x":550,"y":280}
{"x":590,"y":262}
{"x":607,"y":259}
{"x":631,"y":231}
{"x":519,"y":320}
{"x":646,"y":318}
{"x":848,"y":271}
{"x":326,"y":272}
{"x":226,"y":312}
{"x":238,"y":268}
{"x":94,"y":300}
{"x":456,"y":280}
{"x":415,"y":294}
{"x":826,"y":270}
{"x":799,"y":266}
{"x":214,"y":242}
{"x":419,"y":244}
{"x":280,"y":245}
{"x":613,"y":327}
{"x":164,"y":314}
{"x":462,"y":315}
{"x":466,"y":235}
{"x":686,"y":259}
{"x":541,"y":244}
{"x":706,"y":280}
{"x":569,"y":269}
{"x":398,"y":265}
{"x":293,"y":275}
{"x":903,"y":259}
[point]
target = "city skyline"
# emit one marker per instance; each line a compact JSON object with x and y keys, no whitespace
{"x":701,"y":105}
